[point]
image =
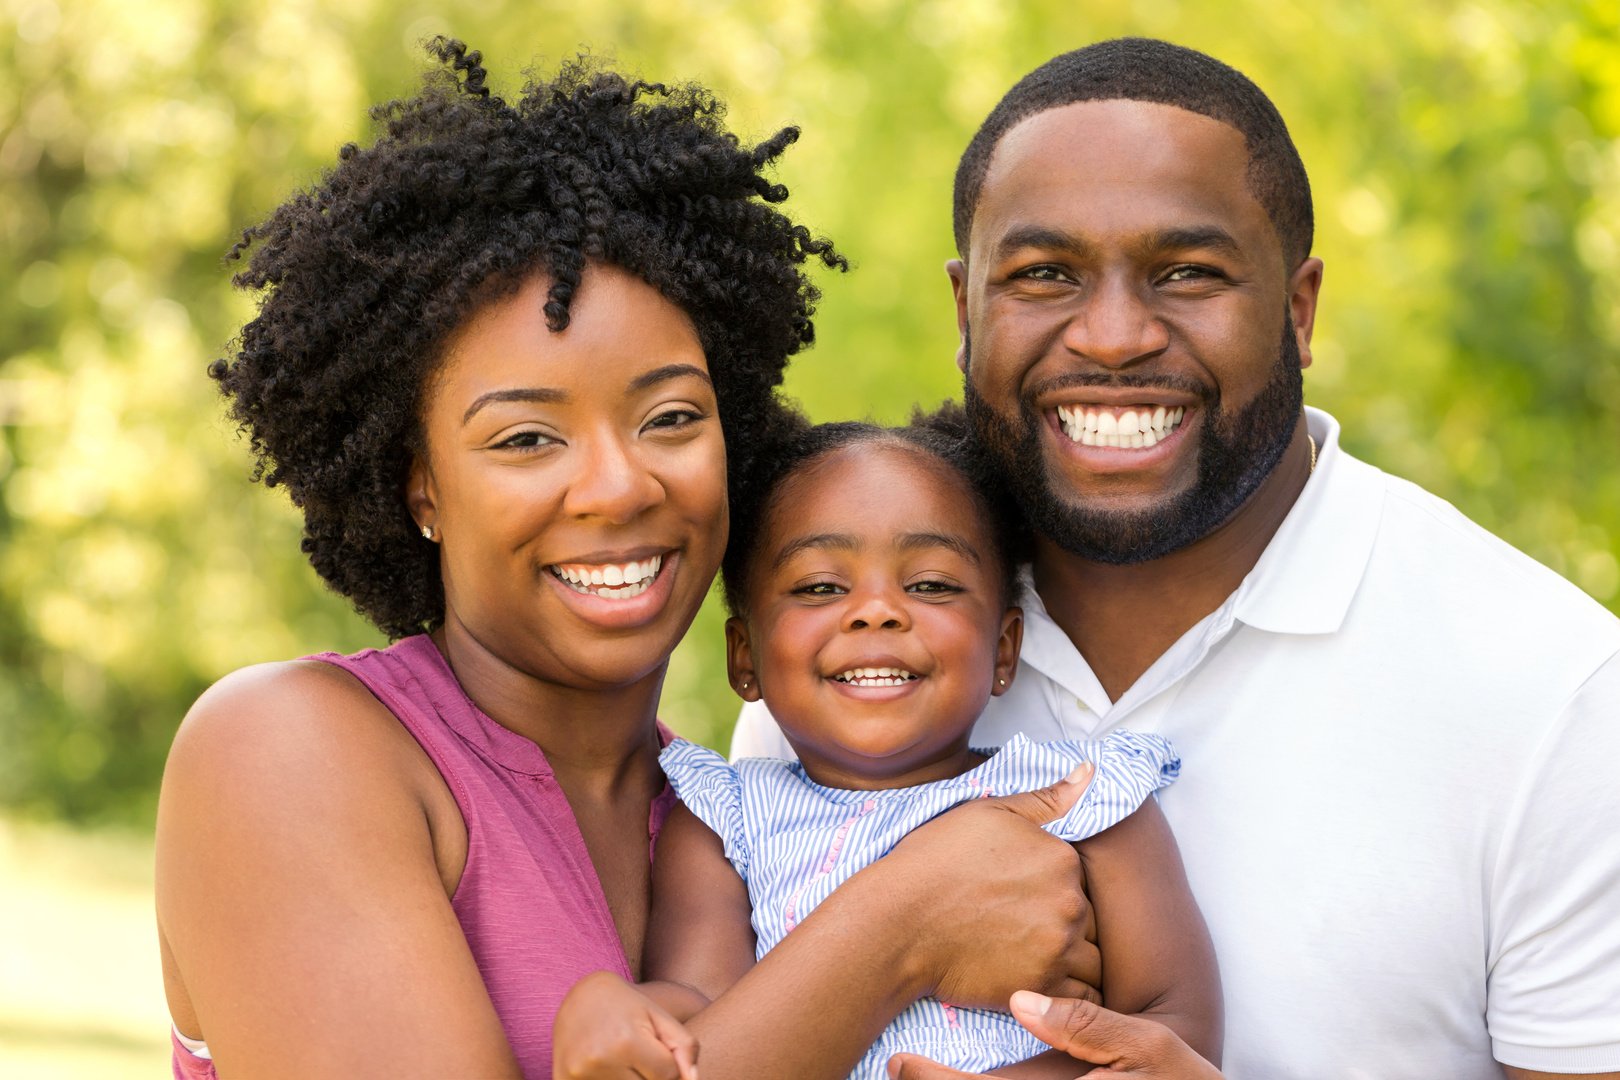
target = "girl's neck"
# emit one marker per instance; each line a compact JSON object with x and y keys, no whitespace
{"x":845,"y":774}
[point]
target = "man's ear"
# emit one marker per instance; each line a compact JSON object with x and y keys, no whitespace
{"x":1303,"y":289}
{"x":421,"y":496}
{"x":740,"y":660}
{"x":956,"y":270}
{"x":1007,"y":646}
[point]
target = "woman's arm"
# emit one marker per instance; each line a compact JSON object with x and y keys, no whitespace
{"x":299,"y":893}
{"x":911,"y":924}
{"x":1158,"y":960}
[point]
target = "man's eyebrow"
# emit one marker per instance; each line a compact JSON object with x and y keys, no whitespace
{"x":818,"y":541}
{"x":667,"y":372}
{"x":1208,"y":237}
{"x":915,"y":541}
{"x":542,"y":395}
{"x":1020,"y":237}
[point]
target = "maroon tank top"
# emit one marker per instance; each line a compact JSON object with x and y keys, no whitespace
{"x":529,"y":900}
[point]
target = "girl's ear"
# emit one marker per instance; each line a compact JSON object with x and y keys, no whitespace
{"x":740,"y":660}
{"x":1007,"y":645}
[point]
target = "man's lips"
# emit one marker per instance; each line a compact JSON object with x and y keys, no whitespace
{"x":1136,"y":426}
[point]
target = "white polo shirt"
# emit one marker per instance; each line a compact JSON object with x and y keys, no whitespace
{"x":1400,"y":798}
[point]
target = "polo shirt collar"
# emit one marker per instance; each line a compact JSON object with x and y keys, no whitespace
{"x":1308,"y":575}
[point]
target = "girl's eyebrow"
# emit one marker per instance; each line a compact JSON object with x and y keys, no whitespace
{"x":916,"y":540}
{"x":836,"y":541}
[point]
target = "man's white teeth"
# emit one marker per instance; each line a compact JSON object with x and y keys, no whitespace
{"x":618,"y":581}
{"x":1133,"y":428}
{"x":875,"y":676}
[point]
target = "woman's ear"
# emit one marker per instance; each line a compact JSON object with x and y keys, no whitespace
{"x":740,"y":660}
{"x":421,"y":498}
{"x":1007,"y":646}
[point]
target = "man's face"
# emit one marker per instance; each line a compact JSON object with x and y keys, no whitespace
{"x":1124,"y":294}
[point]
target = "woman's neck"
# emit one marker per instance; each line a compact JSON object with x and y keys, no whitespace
{"x":600,"y":736}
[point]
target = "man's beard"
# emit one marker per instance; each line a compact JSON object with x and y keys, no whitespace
{"x":1236,"y":452}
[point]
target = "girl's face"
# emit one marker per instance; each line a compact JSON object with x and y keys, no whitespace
{"x":576,"y":481}
{"x":876,"y":626}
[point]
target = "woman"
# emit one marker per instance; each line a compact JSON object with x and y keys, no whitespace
{"x":500,"y":361}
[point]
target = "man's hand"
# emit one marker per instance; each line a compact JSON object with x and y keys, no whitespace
{"x":608,"y":1030}
{"x":1019,"y":919}
{"x":1128,"y":1047}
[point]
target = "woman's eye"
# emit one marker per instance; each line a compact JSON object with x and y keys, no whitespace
{"x":675,"y":418}
{"x":525,"y":440}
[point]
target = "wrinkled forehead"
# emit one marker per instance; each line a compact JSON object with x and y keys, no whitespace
{"x":1118,"y":164}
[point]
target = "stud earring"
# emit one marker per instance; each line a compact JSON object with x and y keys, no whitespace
{"x":427,"y":532}
{"x":745,"y":684}
{"x":1001,"y":682}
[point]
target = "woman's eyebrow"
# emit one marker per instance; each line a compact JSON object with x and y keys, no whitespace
{"x":542,"y":395}
{"x":667,"y":372}
{"x":918,"y":540}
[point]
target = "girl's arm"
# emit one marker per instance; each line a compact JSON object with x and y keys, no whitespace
{"x":914,"y":923}
{"x":299,"y":894}
{"x":1158,"y":960}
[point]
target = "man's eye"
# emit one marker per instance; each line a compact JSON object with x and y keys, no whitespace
{"x":1043,"y":273}
{"x":1190,"y":273}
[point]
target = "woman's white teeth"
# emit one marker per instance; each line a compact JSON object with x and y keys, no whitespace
{"x":875,"y":676}
{"x":618,"y":581}
{"x":1134,"y":428}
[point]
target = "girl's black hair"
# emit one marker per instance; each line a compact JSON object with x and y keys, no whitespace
{"x":463,"y":197}
{"x":944,"y":434}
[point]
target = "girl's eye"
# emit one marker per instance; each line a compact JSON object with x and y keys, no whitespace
{"x":819,"y":588}
{"x":525,"y":440}
{"x":935,"y":588}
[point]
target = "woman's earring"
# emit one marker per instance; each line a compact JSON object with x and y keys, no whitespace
{"x":427,"y":532}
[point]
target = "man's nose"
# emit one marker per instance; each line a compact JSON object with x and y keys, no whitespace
{"x":1116,"y":324}
{"x":612,"y":482}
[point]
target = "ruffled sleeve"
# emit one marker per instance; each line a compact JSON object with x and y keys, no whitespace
{"x":1131,"y":766}
{"x":708,"y":786}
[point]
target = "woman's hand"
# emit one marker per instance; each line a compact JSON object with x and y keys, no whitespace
{"x":608,"y":1030}
{"x":999,"y":901}
{"x":1128,"y":1047}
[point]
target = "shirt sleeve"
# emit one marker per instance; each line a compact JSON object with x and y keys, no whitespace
{"x":1553,"y":984}
{"x":756,"y":735}
{"x":1131,"y":766}
{"x":708,"y":786}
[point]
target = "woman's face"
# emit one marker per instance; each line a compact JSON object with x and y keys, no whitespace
{"x":576,"y":481}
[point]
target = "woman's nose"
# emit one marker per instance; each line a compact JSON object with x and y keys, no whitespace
{"x":611,"y":483}
{"x":881,"y":607}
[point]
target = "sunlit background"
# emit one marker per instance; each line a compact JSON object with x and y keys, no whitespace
{"x":1467,"y":178}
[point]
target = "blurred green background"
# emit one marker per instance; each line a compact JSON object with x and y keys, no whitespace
{"x":1466,"y":168}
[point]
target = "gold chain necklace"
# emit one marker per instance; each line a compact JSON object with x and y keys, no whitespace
{"x":1313,"y":451}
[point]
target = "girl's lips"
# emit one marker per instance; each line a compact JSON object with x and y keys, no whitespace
{"x":624,"y":612}
{"x":856,"y":692}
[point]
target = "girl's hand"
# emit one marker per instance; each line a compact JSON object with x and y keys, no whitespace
{"x":608,"y":1030}
{"x":1125,"y":1047}
{"x":999,"y":904}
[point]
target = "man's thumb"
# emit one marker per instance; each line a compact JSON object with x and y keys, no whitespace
{"x":1051,"y":803}
{"x":1082,"y":1029}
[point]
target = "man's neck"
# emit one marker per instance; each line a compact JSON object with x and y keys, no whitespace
{"x":1123,"y":618}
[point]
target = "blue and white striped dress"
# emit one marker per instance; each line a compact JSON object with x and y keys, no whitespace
{"x":794,"y":842}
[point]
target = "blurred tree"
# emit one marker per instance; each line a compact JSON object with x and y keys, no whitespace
{"x":1466,"y":160}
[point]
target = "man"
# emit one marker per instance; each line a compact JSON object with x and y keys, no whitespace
{"x":1398,"y":732}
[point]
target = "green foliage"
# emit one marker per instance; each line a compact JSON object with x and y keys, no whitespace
{"x":1466,"y":161}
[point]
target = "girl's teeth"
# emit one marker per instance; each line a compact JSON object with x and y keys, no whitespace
{"x":883,"y":676}
{"x":615,"y":582}
{"x":1135,"y":428}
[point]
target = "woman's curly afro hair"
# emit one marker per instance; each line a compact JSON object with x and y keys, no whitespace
{"x":463,"y":196}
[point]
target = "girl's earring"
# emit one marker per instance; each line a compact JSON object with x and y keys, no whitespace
{"x":427,"y":532}
{"x":1001,"y":682}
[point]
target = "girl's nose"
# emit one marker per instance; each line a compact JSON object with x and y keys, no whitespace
{"x":879,"y":607}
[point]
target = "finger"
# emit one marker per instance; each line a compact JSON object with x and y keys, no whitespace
{"x":1078,"y":989}
{"x":912,"y":1067}
{"x":1088,"y":1032}
{"x":680,"y":1042}
{"x":1050,"y":803}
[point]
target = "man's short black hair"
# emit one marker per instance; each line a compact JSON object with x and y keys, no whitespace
{"x":1142,"y":69}
{"x":465,"y":195}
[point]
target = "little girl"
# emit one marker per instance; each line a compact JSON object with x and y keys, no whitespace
{"x":874,"y":600}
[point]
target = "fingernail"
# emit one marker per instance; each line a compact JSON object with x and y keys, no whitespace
{"x":1028,"y":1001}
{"x":1081,"y":772}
